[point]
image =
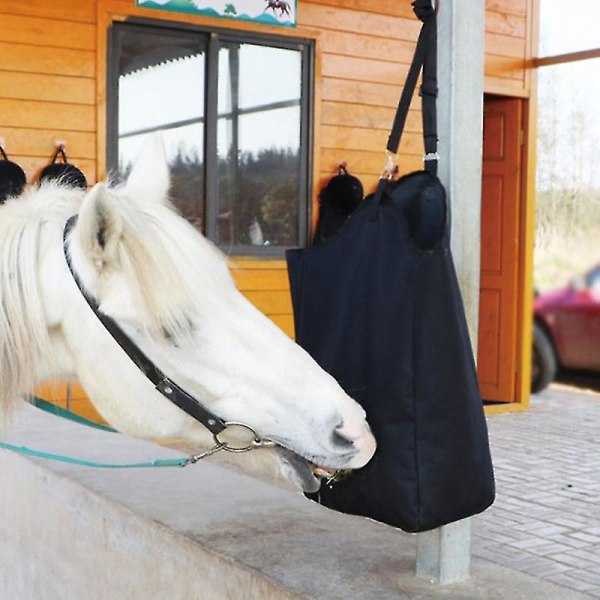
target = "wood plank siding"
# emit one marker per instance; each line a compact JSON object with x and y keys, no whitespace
{"x":52,"y":78}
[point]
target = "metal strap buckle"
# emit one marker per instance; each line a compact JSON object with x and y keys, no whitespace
{"x":388,"y":170}
{"x":431,"y":156}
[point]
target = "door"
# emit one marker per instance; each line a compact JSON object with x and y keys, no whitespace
{"x":500,"y":204}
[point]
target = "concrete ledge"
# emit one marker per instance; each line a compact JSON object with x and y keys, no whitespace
{"x":205,"y":532}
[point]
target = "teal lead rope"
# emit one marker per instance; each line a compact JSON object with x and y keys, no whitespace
{"x":171,"y":462}
{"x":61,"y":412}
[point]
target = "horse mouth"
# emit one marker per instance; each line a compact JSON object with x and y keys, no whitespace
{"x":308,"y":474}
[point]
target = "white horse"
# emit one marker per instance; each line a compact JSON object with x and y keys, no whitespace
{"x":170,"y":290}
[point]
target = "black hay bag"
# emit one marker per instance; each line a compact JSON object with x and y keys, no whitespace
{"x":337,"y":201}
{"x":64,"y":173}
{"x":386,"y":319}
{"x":12,"y":178}
{"x":378,"y":306}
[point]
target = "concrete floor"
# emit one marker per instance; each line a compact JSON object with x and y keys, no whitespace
{"x":209,"y":533}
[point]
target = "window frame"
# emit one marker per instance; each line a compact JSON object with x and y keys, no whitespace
{"x":215,"y":36}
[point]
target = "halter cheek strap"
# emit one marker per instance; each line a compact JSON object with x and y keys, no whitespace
{"x":163,"y":384}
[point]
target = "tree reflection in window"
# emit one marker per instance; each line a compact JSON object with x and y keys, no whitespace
{"x":252,"y":190}
{"x":258,"y":144}
{"x":161,"y":88}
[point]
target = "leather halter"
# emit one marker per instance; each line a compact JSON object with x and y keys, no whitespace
{"x":163,"y":384}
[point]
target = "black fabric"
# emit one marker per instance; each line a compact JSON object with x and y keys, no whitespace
{"x":425,"y":59}
{"x":424,"y":9}
{"x":378,"y":306}
{"x":337,"y":201}
{"x":385,"y":318}
{"x":12,"y":178}
{"x":64,"y":173}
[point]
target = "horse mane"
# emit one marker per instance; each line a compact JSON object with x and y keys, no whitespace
{"x":24,"y":338}
{"x":167,"y":264}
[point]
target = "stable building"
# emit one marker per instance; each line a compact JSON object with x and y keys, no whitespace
{"x":258,"y":107}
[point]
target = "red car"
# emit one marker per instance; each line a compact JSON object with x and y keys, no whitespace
{"x":566,"y":330}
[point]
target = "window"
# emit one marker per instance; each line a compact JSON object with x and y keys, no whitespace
{"x":234,"y":113}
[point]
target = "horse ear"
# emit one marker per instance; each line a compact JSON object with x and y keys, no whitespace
{"x":100,"y":227}
{"x":149,"y":178}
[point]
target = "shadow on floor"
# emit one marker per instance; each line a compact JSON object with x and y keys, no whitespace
{"x":584,"y":380}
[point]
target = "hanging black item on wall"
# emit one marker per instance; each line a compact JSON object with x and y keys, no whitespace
{"x":64,"y":172}
{"x":379,"y":307}
{"x":12,"y":178}
{"x":337,"y":201}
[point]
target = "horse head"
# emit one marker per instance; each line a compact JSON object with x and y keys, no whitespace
{"x":169,"y":289}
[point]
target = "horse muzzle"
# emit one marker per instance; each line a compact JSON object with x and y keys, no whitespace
{"x":349,"y":450}
{"x":356,"y":445}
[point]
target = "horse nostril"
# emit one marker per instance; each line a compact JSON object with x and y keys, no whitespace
{"x":339,"y":439}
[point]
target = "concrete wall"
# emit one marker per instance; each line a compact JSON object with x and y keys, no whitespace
{"x":202,"y":532}
{"x":58,"y":540}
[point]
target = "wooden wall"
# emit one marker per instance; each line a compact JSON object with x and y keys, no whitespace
{"x":48,"y":75}
{"x":367,"y":47}
{"x":509,"y":46}
{"x":47,"y":81}
{"x":51,"y":80}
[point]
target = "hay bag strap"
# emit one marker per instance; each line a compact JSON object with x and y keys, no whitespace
{"x":425,"y":59}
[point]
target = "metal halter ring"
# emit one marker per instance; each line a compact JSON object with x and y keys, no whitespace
{"x":257,"y":442}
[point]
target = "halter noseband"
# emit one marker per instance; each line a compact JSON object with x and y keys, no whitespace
{"x":163,"y":384}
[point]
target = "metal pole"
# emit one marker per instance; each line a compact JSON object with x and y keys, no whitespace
{"x":443,"y":555}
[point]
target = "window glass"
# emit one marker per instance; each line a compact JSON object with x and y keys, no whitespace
{"x":241,"y":178}
{"x":268,"y":75}
{"x":259,"y":133}
{"x":161,"y":87}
